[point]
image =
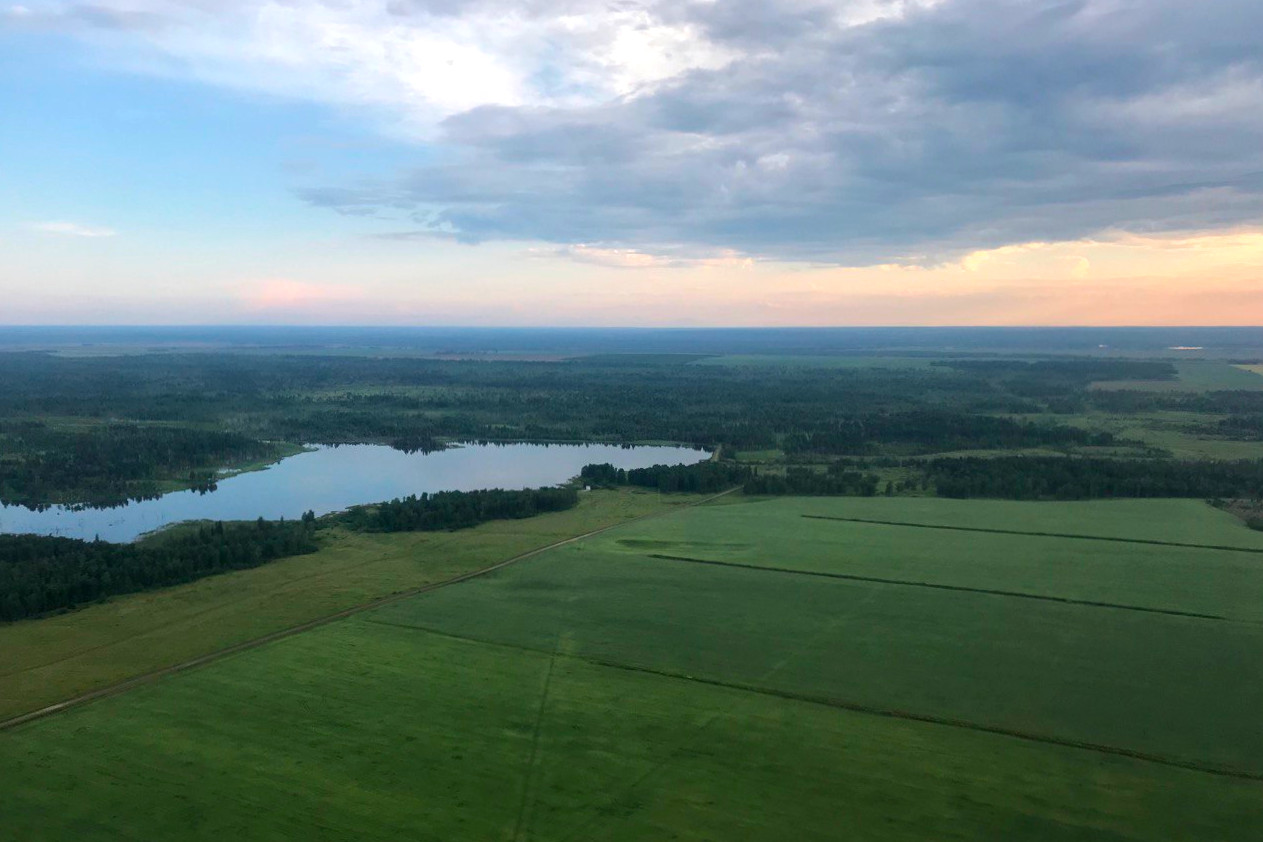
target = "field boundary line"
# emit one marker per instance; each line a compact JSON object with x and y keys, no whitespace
{"x":1149,"y":541}
{"x":942,"y":587}
{"x":533,"y":757}
{"x":860,"y":707}
{"x":895,"y":713}
{"x":237,"y":648}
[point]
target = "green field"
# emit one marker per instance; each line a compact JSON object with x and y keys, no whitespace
{"x":662,"y":680}
{"x":46,"y":660}
{"x":1185,"y":435}
{"x":1195,"y":376}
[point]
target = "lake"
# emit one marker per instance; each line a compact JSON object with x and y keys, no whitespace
{"x":330,"y":479}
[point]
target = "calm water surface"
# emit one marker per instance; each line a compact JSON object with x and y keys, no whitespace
{"x":329,"y":479}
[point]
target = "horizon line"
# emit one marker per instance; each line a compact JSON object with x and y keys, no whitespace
{"x":284,"y":326}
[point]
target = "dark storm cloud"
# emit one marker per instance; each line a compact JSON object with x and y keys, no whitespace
{"x":969,"y":124}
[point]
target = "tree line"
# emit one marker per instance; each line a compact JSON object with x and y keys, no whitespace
{"x":805,"y":481}
{"x":39,"y":573}
{"x":113,"y":463}
{"x":457,"y":509}
{"x":417,"y":404}
{"x":1042,"y":378}
{"x":182,"y":407}
{"x":712,"y":477}
{"x":929,"y":431}
{"x":699,"y":478}
{"x":1082,"y":478}
{"x":1241,"y":427}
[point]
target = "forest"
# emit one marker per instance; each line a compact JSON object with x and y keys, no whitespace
{"x":1243,"y":427}
{"x":103,"y":430}
{"x":1082,"y":478}
{"x":113,"y":426}
{"x":932,"y":431}
{"x":836,"y":481}
{"x":40,"y":574}
{"x":114,"y":462}
{"x":712,"y":477}
{"x":456,"y":509}
{"x":701,"y":478}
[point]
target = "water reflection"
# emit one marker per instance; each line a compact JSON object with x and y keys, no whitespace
{"x":328,"y":479}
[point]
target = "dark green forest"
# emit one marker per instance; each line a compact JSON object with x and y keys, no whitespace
{"x":115,"y":461}
{"x":701,"y":478}
{"x":103,"y":430}
{"x":932,"y":431}
{"x":1052,"y":478}
{"x":39,"y":574}
{"x":457,"y":509}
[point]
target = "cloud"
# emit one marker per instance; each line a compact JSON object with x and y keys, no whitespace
{"x":626,"y":258}
{"x":847,"y":133}
{"x":613,"y":258}
{"x":72,"y":229}
{"x":412,"y":62}
{"x":416,"y":235}
{"x":285,"y":294}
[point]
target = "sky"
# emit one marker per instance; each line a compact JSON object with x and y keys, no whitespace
{"x":687,"y":162}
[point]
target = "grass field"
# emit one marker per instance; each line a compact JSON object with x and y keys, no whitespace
{"x":1181,"y":433}
{"x":1195,"y":376}
{"x":627,"y":598}
{"x":46,"y":660}
{"x":659,"y":681}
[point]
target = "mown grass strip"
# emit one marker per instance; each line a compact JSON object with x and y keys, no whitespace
{"x":991,"y":531}
{"x":532,"y":759}
{"x":936,"y":586}
{"x":859,"y":707}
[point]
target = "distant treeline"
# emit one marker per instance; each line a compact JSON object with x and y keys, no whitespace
{"x":1242,"y":427}
{"x":1220,"y":402}
{"x":457,"y":509}
{"x":39,"y":574}
{"x":182,"y":403}
{"x":113,"y":463}
{"x":803,"y":481}
{"x":712,"y":477}
{"x":929,"y":431}
{"x":416,"y":403}
{"x":1078,"y":371}
{"x":700,"y":478}
{"x":1081,"y":478}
